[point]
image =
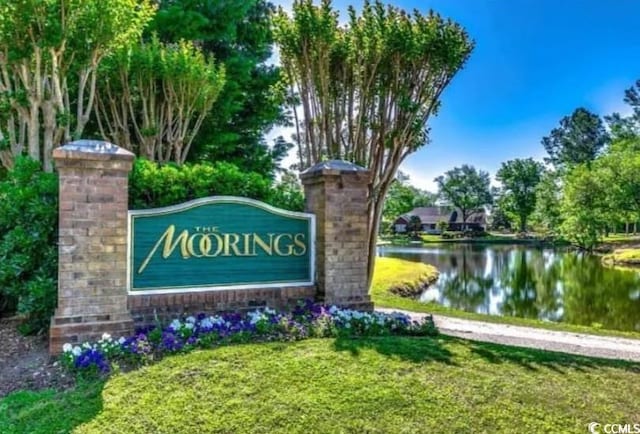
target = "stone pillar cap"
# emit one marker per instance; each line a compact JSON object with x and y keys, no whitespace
{"x":334,"y":167}
{"x":91,"y":150}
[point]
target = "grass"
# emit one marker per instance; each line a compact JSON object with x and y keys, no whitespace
{"x":393,"y":272}
{"x":405,"y":240}
{"x":612,"y":238}
{"x":623,"y":256}
{"x":396,"y":275}
{"x":48,"y":411}
{"x":376,"y":385}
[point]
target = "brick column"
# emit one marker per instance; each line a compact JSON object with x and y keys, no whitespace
{"x":92,"y":252}
{"x":336,"y":192}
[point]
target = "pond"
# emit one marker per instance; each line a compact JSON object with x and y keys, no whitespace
{"x":529,"y":282}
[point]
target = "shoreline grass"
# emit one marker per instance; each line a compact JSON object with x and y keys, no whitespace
{"x":391,"y":272}
{"x":622,"y":257}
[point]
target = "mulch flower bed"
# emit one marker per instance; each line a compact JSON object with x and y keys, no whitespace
{"x":25,"y":362}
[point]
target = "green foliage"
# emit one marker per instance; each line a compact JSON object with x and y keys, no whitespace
{"x":499,"y":218}
{"x":578,"y":140}
{"x":238,"y":34}
{"x":584,"y":207}
{"x":466,"y":188}
{"x":154,"y":97}
{"x":28,"y":247}
{"x":547,"y":216}
{"x":402,"y":197}
{"x":153,"y":185}
{"x":59,"y":45}
{"x":414,"y":225}
{"x":366,"y":90}
{"x":442,"y":225}
{"x":519,"y":180}
{"x":287,"y":193}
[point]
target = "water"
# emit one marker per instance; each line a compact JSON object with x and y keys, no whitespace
{"x":529,"y":282}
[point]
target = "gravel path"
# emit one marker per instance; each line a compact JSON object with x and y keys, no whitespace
{"x":551,"y":340}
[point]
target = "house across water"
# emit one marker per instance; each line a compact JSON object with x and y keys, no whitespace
{"x":431,"y":216}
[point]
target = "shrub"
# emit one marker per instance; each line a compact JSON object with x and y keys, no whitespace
{"x":152,"y":185}
{"x":28,"y":247}
{"x":29,"y":221}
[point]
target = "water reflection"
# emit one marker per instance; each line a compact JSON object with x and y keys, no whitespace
{"x":530,"y":282}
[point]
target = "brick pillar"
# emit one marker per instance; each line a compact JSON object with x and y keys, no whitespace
{"x":336,"y":192}
{"x":92,"y":251}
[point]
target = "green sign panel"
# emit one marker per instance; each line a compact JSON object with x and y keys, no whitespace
{"x":219,"y":243}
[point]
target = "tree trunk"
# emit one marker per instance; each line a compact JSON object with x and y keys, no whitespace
{"x":49,"y":121}
{"x":33,"y":129}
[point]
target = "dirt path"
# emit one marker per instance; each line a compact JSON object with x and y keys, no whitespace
{"x":551,"y":340}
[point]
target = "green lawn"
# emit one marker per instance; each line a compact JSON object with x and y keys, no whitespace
{"x":390,"y":272}
{"x":623,"y":257}
{"x":377,"y":385}
{"x":612,"y":238}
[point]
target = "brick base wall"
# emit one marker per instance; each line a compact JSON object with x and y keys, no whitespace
{"x":165,"y":307}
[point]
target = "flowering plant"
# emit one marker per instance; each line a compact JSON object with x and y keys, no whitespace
{"x":308,"y":319}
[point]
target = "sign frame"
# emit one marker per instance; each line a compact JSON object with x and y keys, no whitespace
{"x":132,"y":214}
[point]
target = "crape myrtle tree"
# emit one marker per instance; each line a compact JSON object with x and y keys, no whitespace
{"x":50,"y":51}
{"x":465,"y":188}
{"x":153,"y":98}
{"x":519,"y":179}
{"x":366,"y":89}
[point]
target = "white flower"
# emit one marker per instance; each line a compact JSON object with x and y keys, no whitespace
{"x":122,"y":340}
{"x":189,"y":325}
{"x":175,"y":325}
{"x":86,"y":345}
{"x":67,"y":348}
{"x":206,"y":323}
{"x":106,"y":337}
{"x":191,"y":319}
{"x":76,"y":351}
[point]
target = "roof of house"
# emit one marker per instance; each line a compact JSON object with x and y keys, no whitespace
{"x":434,"y":214}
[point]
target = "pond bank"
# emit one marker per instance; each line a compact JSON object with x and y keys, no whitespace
{"x":626,"y":257}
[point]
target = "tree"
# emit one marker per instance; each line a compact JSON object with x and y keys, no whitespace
{"x":584,"y":207}
{"x":519,"y":180}
{"x":466,"y":188}
{"x":577,"y":140}
{"x":547,"y":214}
{"x":153,"y":98}
{"x":402,"y":197}
{"x":442,"y":225}
{"x":414,"y":225}
{"x":618,"y":169}
{"x":50,"y":51}
{"x":238,"y":34}
{"x":499,"y":218}
{"x":368,"y":88}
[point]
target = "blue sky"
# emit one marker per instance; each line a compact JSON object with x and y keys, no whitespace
{"x":535,"y":61}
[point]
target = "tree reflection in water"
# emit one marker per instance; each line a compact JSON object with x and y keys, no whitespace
{"x":530,"y":282}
